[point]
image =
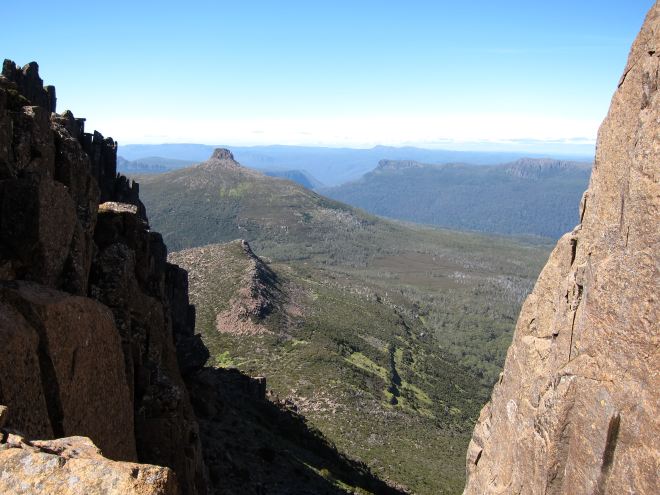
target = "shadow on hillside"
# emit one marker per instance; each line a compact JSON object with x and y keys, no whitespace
{"x":255,"y":446}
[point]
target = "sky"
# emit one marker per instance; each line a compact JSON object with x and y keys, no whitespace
{"x":526,"y":75}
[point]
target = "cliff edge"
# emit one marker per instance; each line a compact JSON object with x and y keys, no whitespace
{"x":575,"y":410}
{"x":95,"y":325}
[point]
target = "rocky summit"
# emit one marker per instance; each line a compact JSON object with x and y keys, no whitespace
{"x":224,"y":159}
{"x":575,"y":410}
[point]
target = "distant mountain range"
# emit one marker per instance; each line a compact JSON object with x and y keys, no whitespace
{"x":527,"y":196}
{"x":331,"y":166}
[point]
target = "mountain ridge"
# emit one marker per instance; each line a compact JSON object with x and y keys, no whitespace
{"x":331,"y":166}
{"x":317,"y":358}
{"x":528,"y":196}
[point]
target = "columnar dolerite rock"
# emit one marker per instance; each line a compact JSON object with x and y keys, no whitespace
{"x":575,"y":410}
{"x":20,"y":378}
{"x":129,"y":275}
{"x":90,"y":309}
{"x":79,"y":359}
{"x":30,"y":85}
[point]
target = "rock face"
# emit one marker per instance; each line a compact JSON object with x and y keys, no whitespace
{"x":76,"y":352}
{"x":575,"y":410}
{"x":90,"y":310}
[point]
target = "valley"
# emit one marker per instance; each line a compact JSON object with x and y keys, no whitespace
{"x":386,"y":336}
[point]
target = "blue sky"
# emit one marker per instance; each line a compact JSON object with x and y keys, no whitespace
{"x":510,"y":74}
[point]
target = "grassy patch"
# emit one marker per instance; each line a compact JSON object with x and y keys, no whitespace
{"x":223,"y":360}
{"x":364,"y":363}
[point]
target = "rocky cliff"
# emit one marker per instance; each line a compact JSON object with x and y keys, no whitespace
{"x":95,"y":325}
{"x":575,"y":410}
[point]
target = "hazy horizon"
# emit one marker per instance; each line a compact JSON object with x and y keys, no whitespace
{"x":535,"y":149}
{"x":510,"y":76}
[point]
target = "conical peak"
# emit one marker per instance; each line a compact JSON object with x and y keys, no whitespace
{"x":222,"y":158}
{"x":222,"y":154}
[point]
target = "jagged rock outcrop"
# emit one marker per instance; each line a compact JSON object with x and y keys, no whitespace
{"x":90,"y":311}
{"x":29,"y":84}
{"x":259,"y":285}
{"x":74,"y":465}
{"x":257,"y":291}
{"x":254,"y":299}
{"x":575,"y":410}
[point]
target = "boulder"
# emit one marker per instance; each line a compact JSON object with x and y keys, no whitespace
{"x":72,"y":466}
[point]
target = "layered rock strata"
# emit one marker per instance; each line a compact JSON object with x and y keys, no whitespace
{"x":575,"y":410}
{"x":95,"y":324}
